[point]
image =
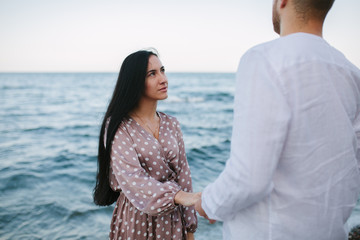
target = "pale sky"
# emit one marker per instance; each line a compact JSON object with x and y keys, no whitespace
{"x":190,"y":35}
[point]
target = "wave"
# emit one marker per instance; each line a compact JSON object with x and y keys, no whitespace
{"x":21,"y":180}
{"x":77,"y":214}
{"x":32,"y":222}
{"x":174,"y":99}
{"x":38,"y":129}
{"x":220,"y":96}
{"x":210,"y":152}
{"x":16,"y":87}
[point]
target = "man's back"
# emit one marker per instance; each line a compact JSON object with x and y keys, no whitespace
{"x":293,"y":171}
{"x":316,"y":181}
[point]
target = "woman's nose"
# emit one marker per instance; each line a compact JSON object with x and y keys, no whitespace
{"x":163,"y":79}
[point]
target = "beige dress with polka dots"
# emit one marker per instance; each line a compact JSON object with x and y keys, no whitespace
{"x":148,"y":172}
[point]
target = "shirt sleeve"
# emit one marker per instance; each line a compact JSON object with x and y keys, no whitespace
{"x":261,"y":117}
{"x":357,"y":130}
{"x":184,"y":180}
{"x":145,"y":193}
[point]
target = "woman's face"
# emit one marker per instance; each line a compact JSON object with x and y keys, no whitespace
{"x":156,"y":81}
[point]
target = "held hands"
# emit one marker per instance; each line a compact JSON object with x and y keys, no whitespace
{"x":189,"y":199}
{"x":201,"y":211}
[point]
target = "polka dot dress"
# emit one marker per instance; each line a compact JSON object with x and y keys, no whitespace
{"x":148,"y":172}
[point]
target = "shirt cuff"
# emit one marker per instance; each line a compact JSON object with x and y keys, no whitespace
{"x":207,"y":204}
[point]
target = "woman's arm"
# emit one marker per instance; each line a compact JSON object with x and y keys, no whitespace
{"x":145,"y":192}
{"x":190,"y":236}
{"x":187,"y":199}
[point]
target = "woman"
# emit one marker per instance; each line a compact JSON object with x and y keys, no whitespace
{"x":141,"y":162}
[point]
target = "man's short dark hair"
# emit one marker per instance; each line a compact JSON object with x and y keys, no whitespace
{"x":313,"y":8}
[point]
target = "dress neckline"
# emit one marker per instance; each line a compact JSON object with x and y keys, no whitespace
{"x":149,"y":133}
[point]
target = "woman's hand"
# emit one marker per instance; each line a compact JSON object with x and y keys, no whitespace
{"x":190,"y":236}
{"x":201,"y":211}
{"x":187,"y":199}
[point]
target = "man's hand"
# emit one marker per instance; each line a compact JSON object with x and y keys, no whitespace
{"x":201,"y":211}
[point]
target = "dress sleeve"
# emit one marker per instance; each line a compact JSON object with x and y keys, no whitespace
{"x":144,"y":192}
{"x":184,"y":180}
{"x":260,"y":126}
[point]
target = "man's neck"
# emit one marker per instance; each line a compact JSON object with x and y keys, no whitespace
{"x":295,"y":25}
{"x":316,"y":30}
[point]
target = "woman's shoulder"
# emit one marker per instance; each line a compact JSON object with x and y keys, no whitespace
{"x":127,"y":124}
{"x":167,"y":118}
{"x":125,"y":128}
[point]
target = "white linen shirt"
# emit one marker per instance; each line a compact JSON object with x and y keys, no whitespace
{"x":293,"y":171}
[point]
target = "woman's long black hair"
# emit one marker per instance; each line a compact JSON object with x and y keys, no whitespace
{"x":127,"y":93}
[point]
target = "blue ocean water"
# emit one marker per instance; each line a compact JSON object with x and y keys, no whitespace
{"x":49,"y":126}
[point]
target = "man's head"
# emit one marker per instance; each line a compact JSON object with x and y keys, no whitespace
{"x":303,"y":10}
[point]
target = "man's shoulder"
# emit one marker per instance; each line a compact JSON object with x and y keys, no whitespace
{"x":290,"y":44}
{"x":295,"y":49}
{"x":263,"y":51}
{"x":263,"y":47}
{"x":260,"y":54}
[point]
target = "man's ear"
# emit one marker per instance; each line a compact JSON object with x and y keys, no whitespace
{"x":283,"y":3}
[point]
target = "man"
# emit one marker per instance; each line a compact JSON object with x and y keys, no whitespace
{"x":293,"y":169}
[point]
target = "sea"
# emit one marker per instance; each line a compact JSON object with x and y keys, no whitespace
{"x":49,"y":129}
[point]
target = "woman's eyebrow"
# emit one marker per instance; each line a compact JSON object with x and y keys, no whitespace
{"x":151,"y":71}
